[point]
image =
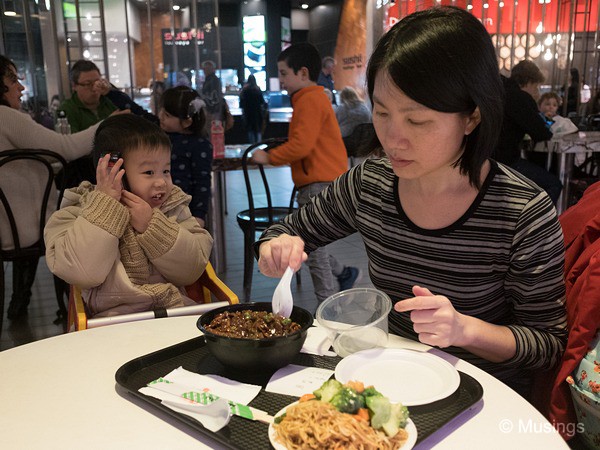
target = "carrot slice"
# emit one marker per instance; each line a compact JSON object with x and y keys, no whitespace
{"x":358,"y":386}
{"x":307,"y":397}
{"x":362,"y":414}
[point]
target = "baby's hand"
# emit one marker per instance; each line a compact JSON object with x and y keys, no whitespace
{"x":109,"y":180}
{"x":140,"y":211}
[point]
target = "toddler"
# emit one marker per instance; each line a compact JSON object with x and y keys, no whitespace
{"x":130,"y":242}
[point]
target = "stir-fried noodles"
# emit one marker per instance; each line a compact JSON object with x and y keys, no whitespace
{"x":318,"y":425}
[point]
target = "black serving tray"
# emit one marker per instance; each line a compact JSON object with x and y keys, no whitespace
{"x":241,"y":433}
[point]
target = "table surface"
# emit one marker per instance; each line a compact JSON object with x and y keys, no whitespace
{"x":60,"y":392}
{"x":581,"y":142}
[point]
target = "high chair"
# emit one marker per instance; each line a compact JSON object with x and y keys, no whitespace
{"x":202,"y":291}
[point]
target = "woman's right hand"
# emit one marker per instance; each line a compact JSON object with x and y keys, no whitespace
{"x":109,"y":180}
{"x":277,"y":254}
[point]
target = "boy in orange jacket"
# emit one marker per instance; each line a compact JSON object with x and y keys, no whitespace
{"x":314,"y":150}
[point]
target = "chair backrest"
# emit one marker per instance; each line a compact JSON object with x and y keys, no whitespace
{"x":28,"y":196}
{"x":361,"y":139}
{"x":252,"y":192}
{"x":201,"y":291}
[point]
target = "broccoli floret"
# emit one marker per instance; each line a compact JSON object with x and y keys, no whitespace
{"x":371,"y":392}
{"x":327,"y":390}
{"x":397,"y":420}
{"x":380,"y":410}
{"x":347,"y":400}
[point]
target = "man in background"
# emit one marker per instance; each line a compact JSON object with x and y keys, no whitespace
{"x":326,"y":75}
{"x":521,"y":116}
{"x":87,"y":106}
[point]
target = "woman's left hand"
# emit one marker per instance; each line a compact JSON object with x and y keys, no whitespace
{"x":139,"y":209}
{"x":434,"y":318}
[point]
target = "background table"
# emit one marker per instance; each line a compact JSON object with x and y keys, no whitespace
{"x":61,"y":393}
{"x":232,"y":160}
{"x":566,"y":147}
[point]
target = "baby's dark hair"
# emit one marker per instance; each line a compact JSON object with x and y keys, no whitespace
{"x":125,"y":133}
{"x":301,"y":55}
{"x":185,"y":103}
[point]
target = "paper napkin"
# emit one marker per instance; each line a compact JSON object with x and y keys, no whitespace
{"x":317,"y":342}
{"x":297,"y":380}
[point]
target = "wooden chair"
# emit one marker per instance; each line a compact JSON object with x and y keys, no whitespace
{"x":207,"y":287}
{"x":35,"y":202}
{"x":257,"y":219}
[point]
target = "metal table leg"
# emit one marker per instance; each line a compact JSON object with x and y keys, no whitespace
{"x":216,"y":223}
{"x":565,"y":165}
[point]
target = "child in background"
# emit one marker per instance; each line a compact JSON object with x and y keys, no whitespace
{"x":183,"y":117}
{"x":130,"y":249}
{"x":314,"y":150}
{"x":548,"y":105}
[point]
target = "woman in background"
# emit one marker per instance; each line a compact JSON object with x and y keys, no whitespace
{"x":18,"y":131}
{"x":253,"y":105}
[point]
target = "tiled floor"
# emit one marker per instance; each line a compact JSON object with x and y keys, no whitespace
{"x":42,"y":310}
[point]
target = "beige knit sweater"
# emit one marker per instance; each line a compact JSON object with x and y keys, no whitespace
{"x":90,"y":243}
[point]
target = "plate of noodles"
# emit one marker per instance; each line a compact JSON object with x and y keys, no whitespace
{"x":312,"y":422}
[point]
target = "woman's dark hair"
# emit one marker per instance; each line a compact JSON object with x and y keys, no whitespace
{"x":5,"y":66}
{"x":185,"y":103}
{"x":252,"y":82}
{"x":444,"y":59}
{"x":125,"y":133}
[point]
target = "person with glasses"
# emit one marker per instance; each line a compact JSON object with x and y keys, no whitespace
{"x":87,"y":106}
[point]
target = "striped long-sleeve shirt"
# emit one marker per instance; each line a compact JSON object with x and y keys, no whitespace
{"x":501,"y":262}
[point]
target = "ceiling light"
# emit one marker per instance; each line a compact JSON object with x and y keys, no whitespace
{"x":304,"y":6}
{"x":176,"y":7}
{"x":9,"y":8}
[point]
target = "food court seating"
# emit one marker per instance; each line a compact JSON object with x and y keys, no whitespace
{"x":256,"y":218}
{"x":26,"y":205}
{"x":203,"y":291}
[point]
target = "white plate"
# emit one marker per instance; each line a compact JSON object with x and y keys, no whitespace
{"x":410,"y":428}
{"x":404,"y":376}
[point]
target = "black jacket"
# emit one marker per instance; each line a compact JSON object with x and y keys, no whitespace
{"x":521,"y":116}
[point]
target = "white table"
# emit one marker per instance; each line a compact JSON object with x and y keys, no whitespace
{"x":566,"y":147}
{"x":60,"y":393}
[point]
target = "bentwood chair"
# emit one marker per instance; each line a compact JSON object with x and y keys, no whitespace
{"x":259,"y":218}
{"x":359,"y":141}
{"x":206,"y":289}
{"x":28,"y":196}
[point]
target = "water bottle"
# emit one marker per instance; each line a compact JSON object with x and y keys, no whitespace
{"x":62,"y":124}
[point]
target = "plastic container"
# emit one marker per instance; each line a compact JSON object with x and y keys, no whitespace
{"x":355,"y":319}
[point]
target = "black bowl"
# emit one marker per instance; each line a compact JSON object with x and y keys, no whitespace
{"x":255,"y":354}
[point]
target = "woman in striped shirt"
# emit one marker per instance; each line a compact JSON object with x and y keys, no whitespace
{"x":470,"y":251}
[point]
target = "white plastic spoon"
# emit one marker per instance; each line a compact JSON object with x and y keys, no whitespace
{"x":283,"y":302}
